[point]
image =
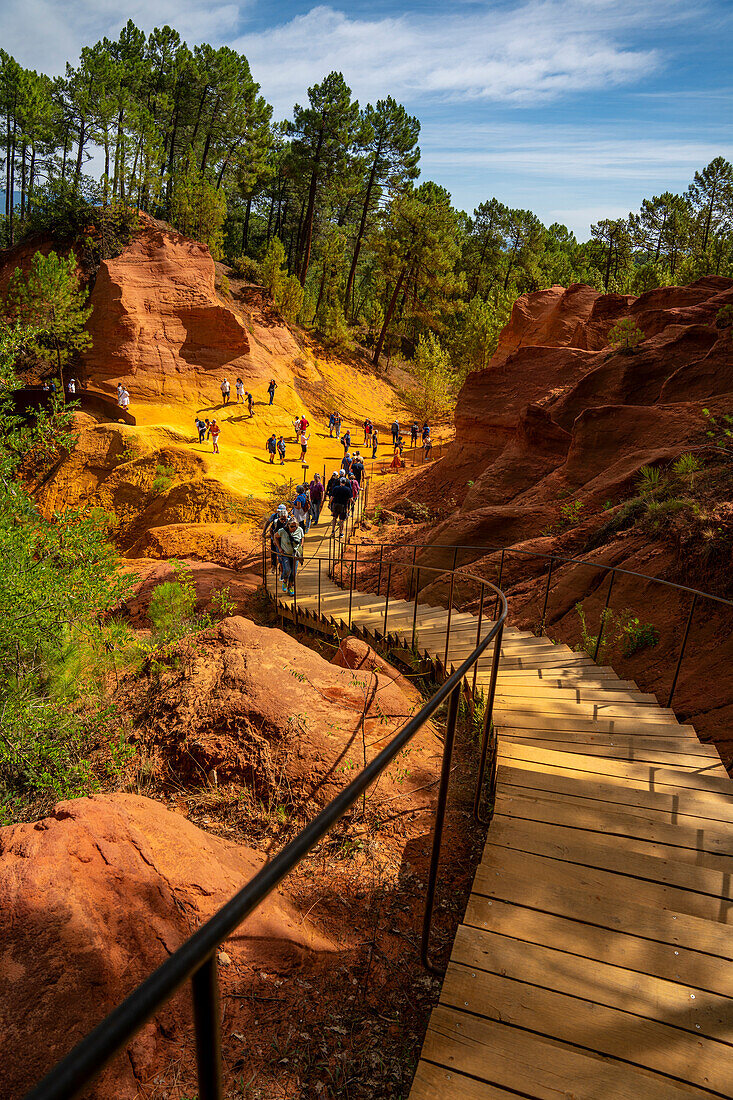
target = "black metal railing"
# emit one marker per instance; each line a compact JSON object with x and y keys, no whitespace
{"x":196,"y":960}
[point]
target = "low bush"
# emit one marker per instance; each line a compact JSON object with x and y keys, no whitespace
{"x":244,"y":267}
{"x":163,"y":478}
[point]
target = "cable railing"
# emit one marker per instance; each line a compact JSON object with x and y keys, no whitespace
{"x":381,"y":564}
{"x":196,"y":961}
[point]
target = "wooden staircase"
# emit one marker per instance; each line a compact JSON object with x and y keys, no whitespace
{"x":595,"y":959}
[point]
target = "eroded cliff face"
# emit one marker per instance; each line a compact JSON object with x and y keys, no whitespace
{"x":527,"y":416}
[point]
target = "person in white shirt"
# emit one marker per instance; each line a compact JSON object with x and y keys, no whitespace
{"x":124,"y":399}
{"x":71,"y":386}
{"x":240,"y":391}
{"x":225,"y":391}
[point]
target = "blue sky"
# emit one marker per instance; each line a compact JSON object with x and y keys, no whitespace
{"x":576,"y":109}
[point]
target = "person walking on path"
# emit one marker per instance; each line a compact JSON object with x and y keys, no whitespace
{"x":346,"y":440}
{"x":120,"y":388}
{"x":375,"y":442}
{"x":124,"y":400}
{"x":275,"y":523}
{"x":240,"y":391}
{"x":281,"y":450}
{"x":367,"y":430}
{"x":271,"y":447}
{"x":71,"y":387}
{"x":337,"y":425}
{"x":427,"y":445}
{"x":346,"y":463}
{"x":332,"y":483}
{"x":225,"y":392}
{"x":215,"y":429}
{"x":395,"y":432}
{"x":200,"y":428}
{"x":341,"y":497}
{"x":357,"y":467}
{"x":301,"y":506}
{"x":414,"y":432}
{"x":396,"y":463}
{"x":290,"y":542}
{"x":250,"y":403}
{"x":303,"y":445}
{"x":331,"y":424}
{"x":354,"y":489}
{"x":317,"y":493}
{"x":271,"y":390}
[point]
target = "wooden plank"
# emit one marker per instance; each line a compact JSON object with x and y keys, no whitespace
{"x":497,"y":875}
{"x":630,"y":1038}
{"x":637,"y":750}
{"x":686,"y":1006}
{"x":507,"y":707}
{"x":528,"y":721}
{"x":435,"y":1083}
{"x":683,"y":807}
{"x":705,"y":846}
{"x":623,"y":949}
{"x":538,"y":1067}
{"x":639,"y":859}
{"x":703,"y":781}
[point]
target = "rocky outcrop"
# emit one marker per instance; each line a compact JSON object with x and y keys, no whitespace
{"x":251,"y":703}
{"x":96,"y":896}
{"x":158,"y":324}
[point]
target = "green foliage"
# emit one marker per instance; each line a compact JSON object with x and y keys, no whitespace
{"x":650,"y":482}
{"x":622,"y":632}
{"x":244,"y":267}
{"x":719,"y":431}
{"x":222,"y":605}
{"x":724,"y":316}
{"x":172,"y":609}
{"x":625,"y":334}
{"x":50,"y":300}
{"x":686,"y":467}
{"x":432,"y":396}
{"x":625,"y":517}
{"x":163,"y":478}
{"x":198,"y":209}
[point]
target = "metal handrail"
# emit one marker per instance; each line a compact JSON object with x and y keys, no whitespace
{"x":196,"y":960}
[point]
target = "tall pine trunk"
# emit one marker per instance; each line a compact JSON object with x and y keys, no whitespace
{"x":362,"y":227}
{"x":308,"y":227}
{"x":388,"y":316}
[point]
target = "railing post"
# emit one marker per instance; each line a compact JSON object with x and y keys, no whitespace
{"x":379,"y":578}
{"x":319,"y":588}
{"x":450,"y":612}
{"x":386,"y":598}
{"x":351,"y":591}
{"x":547,"y":595}
{"x":206,"y":1014}
{"x":498,"y":583}
{"x":682,"y":650}
{"x":356,"y":565}
{"x":450,"y":734}
{"x":602,"y":623}
{"x":295,"y":592}
{"x":414,"y":613}
{"x":478,"y":639}
{"x":488,"y":729}
{"x":412,"y":572}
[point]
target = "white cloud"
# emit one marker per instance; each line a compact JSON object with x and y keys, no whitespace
{"x":45,"y":34}
{"x":532,"y":51}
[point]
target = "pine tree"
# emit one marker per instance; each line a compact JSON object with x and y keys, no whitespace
{"x":50,"y":299}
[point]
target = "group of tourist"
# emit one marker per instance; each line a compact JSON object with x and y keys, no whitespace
{"x":242,"y":394}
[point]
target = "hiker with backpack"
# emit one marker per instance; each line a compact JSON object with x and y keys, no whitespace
{"x":271,"y":447}
{"x":200,"y":428}
{"x":281,"y":450}
{"x":277,"y":521}
{"x":290,"y":545}
{"x":414,"y":432}
{"x":395,"y":432}
{"x":341,"y":497}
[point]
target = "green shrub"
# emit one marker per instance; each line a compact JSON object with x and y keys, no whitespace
{"x":163,"y":478}
{"x":222,"y":604}
{"x":172,"y":609}
{"x":650,"y":481}
{"x":625,"y":334}
{"x":685,"y":468}
{"x":720,"y":432}
{"x":724,"y":316}
{"x":244,"y":267}
{"x":637,"y":635}
{"x":625,"y":517}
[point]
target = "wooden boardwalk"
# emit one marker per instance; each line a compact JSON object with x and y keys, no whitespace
{"x":595,"y":959}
